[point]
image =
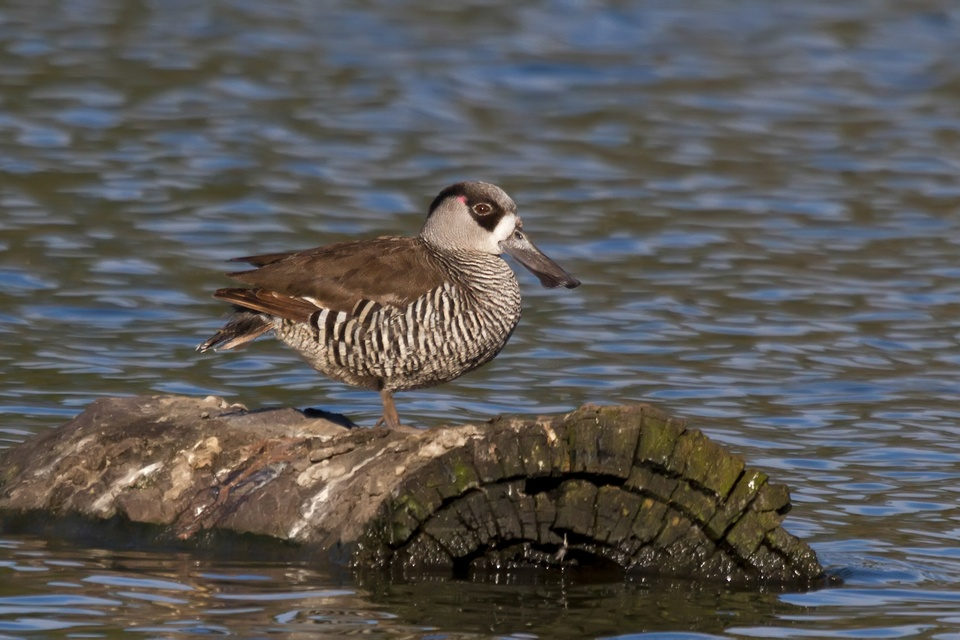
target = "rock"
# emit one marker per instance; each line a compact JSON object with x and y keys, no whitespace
{"x":625,"y":487}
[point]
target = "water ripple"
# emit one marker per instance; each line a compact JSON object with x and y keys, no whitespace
{"x":759,"y":198}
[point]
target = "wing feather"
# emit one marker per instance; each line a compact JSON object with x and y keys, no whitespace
{"x":269,"y":302}
{"x":389,"y":271}
{"x":263,"y":258}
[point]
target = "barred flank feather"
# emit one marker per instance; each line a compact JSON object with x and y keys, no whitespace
{"x":445,"y":332}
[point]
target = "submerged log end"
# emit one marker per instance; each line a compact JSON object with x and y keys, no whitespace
{"x":620,"y":487}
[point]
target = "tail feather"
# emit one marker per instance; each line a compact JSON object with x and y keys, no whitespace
{"x":240,"y":329}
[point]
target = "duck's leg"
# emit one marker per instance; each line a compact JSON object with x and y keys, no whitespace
{"x":390,"y":416}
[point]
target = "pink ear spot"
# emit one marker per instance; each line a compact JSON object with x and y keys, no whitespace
{"x":462,"y":199}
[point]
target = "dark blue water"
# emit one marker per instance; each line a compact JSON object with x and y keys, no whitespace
{"x":760,"y":198}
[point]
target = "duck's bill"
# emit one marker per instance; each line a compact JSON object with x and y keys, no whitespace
{"x":547,"y":271}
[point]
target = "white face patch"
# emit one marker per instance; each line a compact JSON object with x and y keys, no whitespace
{"x":503,"y":230}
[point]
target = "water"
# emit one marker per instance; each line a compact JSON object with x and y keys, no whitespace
{"x":760,"y":199}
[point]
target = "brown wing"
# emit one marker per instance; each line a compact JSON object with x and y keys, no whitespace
{"x":271,"y":302}
{"x":389,"y":271}
{"x":264,"y":258}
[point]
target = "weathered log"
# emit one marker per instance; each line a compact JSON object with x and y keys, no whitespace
{"x":625,"y":487}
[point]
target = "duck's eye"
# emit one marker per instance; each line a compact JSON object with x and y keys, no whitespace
{"x":482,"y":208}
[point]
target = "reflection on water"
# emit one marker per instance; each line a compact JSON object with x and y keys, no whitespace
{"x":760,"y":199}
{"x":94,"y":592}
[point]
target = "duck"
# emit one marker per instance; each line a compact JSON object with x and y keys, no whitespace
{"x":396,"y":313}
